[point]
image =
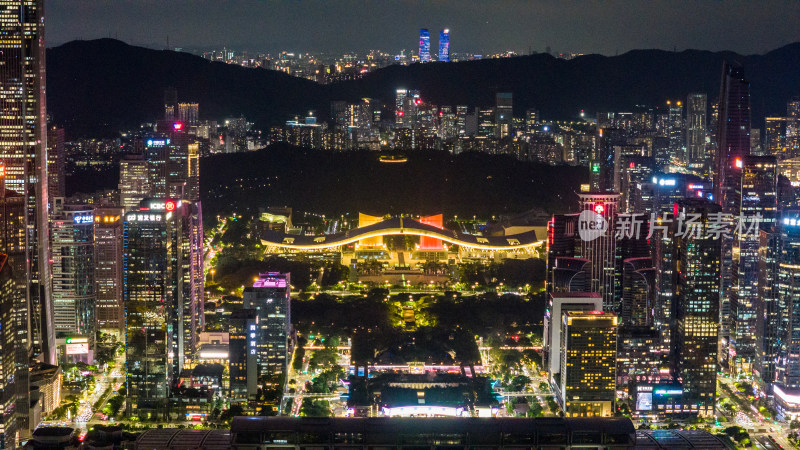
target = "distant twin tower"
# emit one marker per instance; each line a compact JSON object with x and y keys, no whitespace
{"x":425,"y":45}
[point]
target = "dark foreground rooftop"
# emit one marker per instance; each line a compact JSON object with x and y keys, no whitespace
{"x":253,"y":433}
{"x":260,"y":432}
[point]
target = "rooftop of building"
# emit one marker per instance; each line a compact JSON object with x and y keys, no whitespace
{"x":678,"y":439}
{"x":383,"y":430}
{"x":557,"y":295}
{"x":172,"y":438}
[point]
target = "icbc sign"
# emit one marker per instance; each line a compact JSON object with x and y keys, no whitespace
{"x":169,"y":205}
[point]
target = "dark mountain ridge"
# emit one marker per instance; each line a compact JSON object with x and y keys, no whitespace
{"x":101,"y":86}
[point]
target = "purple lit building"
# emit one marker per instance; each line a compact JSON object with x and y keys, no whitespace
{"x":270,"y":297}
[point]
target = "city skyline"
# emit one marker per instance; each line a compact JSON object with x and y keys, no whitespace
{"x":477,"y":27}
{"x":299,"y":237}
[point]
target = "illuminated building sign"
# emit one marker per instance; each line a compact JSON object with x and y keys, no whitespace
{"x":738,"y":163}
{"x":696,"y":186}
{"x":163,"y":205}
{"x":157,"y":142}
{"x":668,"y":392}
{"x":599,"y":208}
{"x":83,"y":219}
{"x":595,"y":167}
{"x":177,"y":126}
{"x":106,"y":219}
{"x":794,"y":221}
{"x":140,"y":217}
{"x":270,"y":281}
{"x":664,"y":181}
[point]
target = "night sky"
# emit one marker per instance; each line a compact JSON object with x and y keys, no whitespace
{"x":478,"y":26}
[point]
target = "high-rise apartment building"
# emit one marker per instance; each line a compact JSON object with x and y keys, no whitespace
{"x":444,"y":45}
{"x":586,"y":386}
{"x":696,"y":110}
{"x":424,"y":45}
{"x":23,"y":150}
{"x":270,"y":298}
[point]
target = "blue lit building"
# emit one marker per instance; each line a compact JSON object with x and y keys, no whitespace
{"x":444,"y":45}
{"x":424,"y":45}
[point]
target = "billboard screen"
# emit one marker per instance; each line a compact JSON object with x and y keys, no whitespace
{"x":81,"y":348}
{"x":644,"y":401}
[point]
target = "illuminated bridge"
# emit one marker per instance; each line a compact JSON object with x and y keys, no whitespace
{"x":396,"y":226}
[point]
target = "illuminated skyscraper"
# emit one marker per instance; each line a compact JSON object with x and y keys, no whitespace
{"x":424,"y":45}
{"x":73,"y":271}
{"x":586,"y":386}
{"x":733,"y":134}
{"x":270,"y":298}
{"x":675,"y":131}
{"x":14,"y":366}
{"x":108,"y":269}
{"x":770,"y":309}
{"x":504,"y":114}
{"x":696,"y":268}
{"x":23,"y":151}
{"x":759,"y":196}
{"x":559,"y":304}
{"x":599,"y":215}
{"x":793,"y":126}
{"x":243,"y":356}
{"x":696,"y":107}
{"x":775,"y":141}
{"x":399,"y":101}
{"x":162,"y":301}
{"x":444,"y":45}
{"x":788,"y":368}
{"x":55,"y":162}
{"x":188,"y":113}
{"x":134,"y":181}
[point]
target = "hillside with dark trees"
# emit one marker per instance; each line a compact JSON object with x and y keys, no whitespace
{"x":430,"y":182}
{"x":102,"y":86}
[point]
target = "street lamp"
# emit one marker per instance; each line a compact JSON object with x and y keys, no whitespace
{"x":212,"y":271}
